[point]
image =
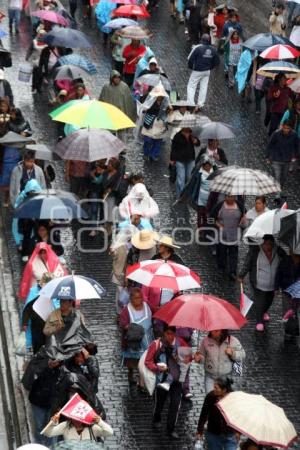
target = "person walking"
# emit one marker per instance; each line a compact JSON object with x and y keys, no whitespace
{"x":277,"y":20}
{"x":262,"y":262}
{"x":278,"y":97}
{"x":282,"y":149}
{"x":183,"y":156}
{"x":132,"y":53}
{"x":14,"y":14}
{"x":202,"y":59}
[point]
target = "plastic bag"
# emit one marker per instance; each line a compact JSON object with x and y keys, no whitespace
{"x":147,"y":377}
{"x":21,"y":344}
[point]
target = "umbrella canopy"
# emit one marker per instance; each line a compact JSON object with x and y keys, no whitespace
{"x":163,"y":274}
{"x":69,"y":72}
{"x":93,"y":114}
{"x":290,"y":231}
{"x":42,"y":152}
{"x":131,"y":10}
{"x":257,"y":418}
{"x":267,"y":223}
{"x":66,"y":37}
{"x":201,"y":312}
{"x":280,"y":51}
{"x":115,"y":24}
{"x":135,"y":32}
{"x":89,"y":144}
{"x":196,"y":122}
{"x":273,"y":68}
{"x":79,"y":61}
{"x":153,"y":79}
{"x":295,"y":85}
{"x":217,"y":130}
{"x":51,"y":204}
{"x":294,"y":290}
{"x":262,"y":41}
{"x":225,"y":5}
{"x":12,"y":139}
{"x":75,"y":287}
{"x":243,"y":181}
{"x":50,"y":16}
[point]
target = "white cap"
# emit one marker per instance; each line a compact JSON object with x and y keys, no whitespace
{"x":153,"y":61}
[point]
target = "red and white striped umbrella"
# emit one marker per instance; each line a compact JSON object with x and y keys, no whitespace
{"x":163,"y":274}
{"x":280,"y":51}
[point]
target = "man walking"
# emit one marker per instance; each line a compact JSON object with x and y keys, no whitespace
{"x":14,"y":14}
{"x":202,"y":59}
{"x":282,"y":150}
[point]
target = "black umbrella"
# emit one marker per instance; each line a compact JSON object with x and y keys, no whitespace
{"x":12,"y":139}
{"x":290,"y":231}
{"x":262,"y":41}
{"x":66,"y":37}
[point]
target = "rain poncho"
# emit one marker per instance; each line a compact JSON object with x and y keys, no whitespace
{"x":53,"y":266}
{"x":243,"y":69}
{"x":143,"y":62}
{"x":31,"y":186}
{"x":138,"y":201}
{"x":103,"y":13}
{"x":33,"y":294}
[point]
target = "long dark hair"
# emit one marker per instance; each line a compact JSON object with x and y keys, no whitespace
{"x":225,"y":383}
{"x":223,"y":337}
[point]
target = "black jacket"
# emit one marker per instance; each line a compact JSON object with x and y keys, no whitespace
{"x":90,"y":370}
{"x":283,"y":148}
{"x":8,"y":91}
{"x":182,"y":150}
{"x":211,"y":414}
{"x":203,"y":57}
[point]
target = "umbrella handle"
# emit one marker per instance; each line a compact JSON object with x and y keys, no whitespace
{"x":198,"y":339}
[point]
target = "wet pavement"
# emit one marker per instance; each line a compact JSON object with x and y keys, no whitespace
{"x":272,"y":366}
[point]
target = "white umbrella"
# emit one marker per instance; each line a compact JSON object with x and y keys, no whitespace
{"x":267,"y":223}
{"x":257,"y":418}
{"x":295,"y":34}
{"x":295,"y":85}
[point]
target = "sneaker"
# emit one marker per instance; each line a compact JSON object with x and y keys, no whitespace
{"x":166,"y":386}
{"x":93,"y":233}
{"x":173,"y":435}
{"x":260,"y":327}
{"x":157,"y":425}
{"x":188,"y":396}
{"x":25,"y":258}
{"x":266,"y":317}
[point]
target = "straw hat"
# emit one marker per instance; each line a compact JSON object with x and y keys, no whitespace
{"x":158,"y":91}
{"x":144,"y":239}
{"x":167,"y":241}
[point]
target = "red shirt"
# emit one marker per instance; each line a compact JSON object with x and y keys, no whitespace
{"x":130,"y":54}
{"x":279,"y":104}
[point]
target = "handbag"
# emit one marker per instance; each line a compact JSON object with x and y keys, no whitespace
{"x":21,"y":344}
{"x":237,"y":366}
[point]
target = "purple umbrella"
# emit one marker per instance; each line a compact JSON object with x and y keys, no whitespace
{"x":51,"y":16}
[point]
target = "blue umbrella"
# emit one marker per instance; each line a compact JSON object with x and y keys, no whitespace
{"x":51,"y":205}
{"x":294,"y":290}
{"x":79,"y":61}
{"x":119,"y":23}
{"x":66,"y":37}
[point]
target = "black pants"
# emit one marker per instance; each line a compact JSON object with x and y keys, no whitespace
{"x":175,"y":401}
{"x":227,"y":257}
{"x":128,"y":78}
{"x":262,"y":301}
{"x":73,"y":7}
{"x":275,"y":119}
{"x":259,"y":95}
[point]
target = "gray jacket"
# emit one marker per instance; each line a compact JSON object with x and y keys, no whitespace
{"x":15,"y":180}
{"x":216,"y":362}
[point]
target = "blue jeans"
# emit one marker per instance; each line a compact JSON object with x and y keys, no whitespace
{"x":184,"y":171}
{"x":14,"y":15}
{"x":41,"y":417}
{"x":221,"y":442}
{"x":152,"y":147}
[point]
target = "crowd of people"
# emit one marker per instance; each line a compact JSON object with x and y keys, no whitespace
{"x":64,"y":351}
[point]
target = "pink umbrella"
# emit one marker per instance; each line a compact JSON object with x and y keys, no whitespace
{"x":51,"y":16}
{"x":163,"y":274}
{"x":280,"y":51}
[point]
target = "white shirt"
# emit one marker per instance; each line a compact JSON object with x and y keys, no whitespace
{"x":18,"y":4}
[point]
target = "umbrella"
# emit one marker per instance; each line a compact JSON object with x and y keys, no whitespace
{"x":50,"y":16}
{"x":194,"y":122}
{"x":76,"y":445}
{"x":66,"y":37}
{"x":257,"y":418}
{"x":295,"y":86}
{"x":93,"y":114}
{"x":267,"y":223}
{"x":135,"y":32}
{"x":76,"y":287}
{"x":42,"y":152}
{"x":79,"y":61}
{"x":294,"y":290}
{"x":280,"y":51}
{"x":224,"y":5}
{"x":243,"y":181}
{"x":290,"y":231}
{"x":69,"y":72}
{"x":115,"y":24}
{"x":153,"y":79}
{"x":131,"y":10}
{"x":262,"y":41}
{"x":201,"y":312}
{"x":163,"y":274}
{"x":12,"y":139}
{"x":89,"y":144}
{"x":273,"y":68}
{"x":217,"y":130}
{"x":51,"y":204}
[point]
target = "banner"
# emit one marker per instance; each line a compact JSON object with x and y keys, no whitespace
{"x":78,"y":409}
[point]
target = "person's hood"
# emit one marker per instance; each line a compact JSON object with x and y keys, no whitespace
{"x":32,"y":186}
{"x":114,"y":73}
{"x":139,"y":191}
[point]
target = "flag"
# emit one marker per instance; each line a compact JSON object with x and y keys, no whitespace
{"x":245,"y":303}
{"x":78,"y":409}
{"x":284,"y":206}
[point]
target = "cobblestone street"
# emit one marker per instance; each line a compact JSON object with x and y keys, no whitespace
{"x":272,"y":366}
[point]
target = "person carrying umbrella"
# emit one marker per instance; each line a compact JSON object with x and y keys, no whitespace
{"x":214,"y":152}
{"x":278,"y":96}
{"x":262,"y":262}
{"x":218,"y":434}
{"x":132,"y":53}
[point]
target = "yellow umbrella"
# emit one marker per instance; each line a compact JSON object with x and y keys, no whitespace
{"x":257,"y":418}
{"x":92,"y":114}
